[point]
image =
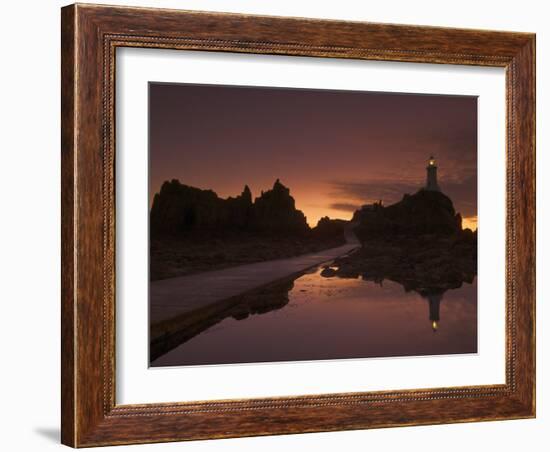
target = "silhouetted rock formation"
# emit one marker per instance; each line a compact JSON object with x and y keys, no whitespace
{"x":328,"y":229}
{"x":180,"y":209}
{"x":425,"y":212}
{"x":275,"y":212}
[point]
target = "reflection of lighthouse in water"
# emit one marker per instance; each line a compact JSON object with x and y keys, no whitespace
{"x":434,"y":300}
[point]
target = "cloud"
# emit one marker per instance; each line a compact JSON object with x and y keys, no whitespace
{"x":461,"y":188}
{"x":389,"y":191}
{"x":463,"y":193}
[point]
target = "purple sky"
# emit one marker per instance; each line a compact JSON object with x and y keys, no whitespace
{"x":335,"y":150}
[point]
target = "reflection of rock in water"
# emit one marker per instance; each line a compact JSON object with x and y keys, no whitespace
{"x":265,"y":299}
{"x":257,"y":301}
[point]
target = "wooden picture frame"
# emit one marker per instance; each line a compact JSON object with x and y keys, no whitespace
{"x":90,"y":36}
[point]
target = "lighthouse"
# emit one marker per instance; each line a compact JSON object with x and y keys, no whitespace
{"x":431,"y":175}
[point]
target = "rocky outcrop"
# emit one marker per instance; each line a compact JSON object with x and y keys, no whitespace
{"x":330,"y":229}
{"x":275,"y":212}
{"x":425,"y":212}
{"x":179,"y":209}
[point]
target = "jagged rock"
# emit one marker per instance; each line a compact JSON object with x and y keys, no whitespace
{"x":274,"y":211}
{"x":425,"y":212}
{"x":178,"y":209}
{"x":327,"y":228}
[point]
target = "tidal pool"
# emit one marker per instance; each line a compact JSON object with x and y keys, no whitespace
{"x":317,"y":318}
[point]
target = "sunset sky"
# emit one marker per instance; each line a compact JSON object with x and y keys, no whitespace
{"x":335,"y":150}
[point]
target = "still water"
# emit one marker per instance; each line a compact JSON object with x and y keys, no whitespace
{"x":313,"y":318}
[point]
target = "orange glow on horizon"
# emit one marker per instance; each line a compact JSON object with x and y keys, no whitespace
{"x":314,"y":213}
{"x":470,"y":223}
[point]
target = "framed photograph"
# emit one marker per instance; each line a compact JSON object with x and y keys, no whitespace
{"x":281,"y":225}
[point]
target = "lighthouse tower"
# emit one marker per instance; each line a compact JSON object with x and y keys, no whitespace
{"x":431,"y":172}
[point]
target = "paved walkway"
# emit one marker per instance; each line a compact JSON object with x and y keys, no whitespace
{"x":175,"y":296}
